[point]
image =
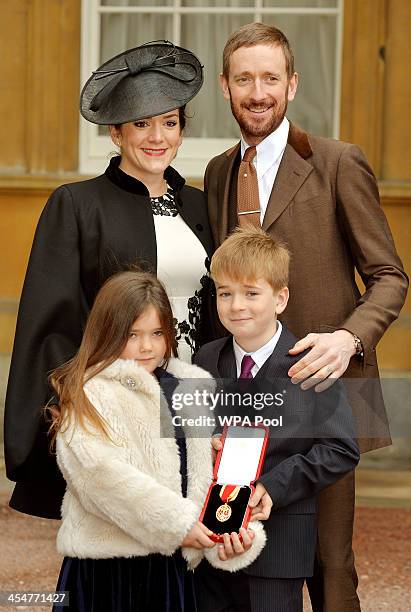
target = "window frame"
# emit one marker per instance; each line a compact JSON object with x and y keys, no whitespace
{"x":194,"y":153}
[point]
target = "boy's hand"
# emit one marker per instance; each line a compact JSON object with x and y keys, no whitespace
{"x":327,"y":360}
{"x":198,"y":537}
{"x":216,"y":445}
{"x":233,"y":545}
{"x":261,"y":503}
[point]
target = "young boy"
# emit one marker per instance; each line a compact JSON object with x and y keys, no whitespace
{"x":250,"y":271}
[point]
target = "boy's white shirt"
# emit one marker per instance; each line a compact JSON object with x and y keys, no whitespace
{"x":124,"y":496}
{"x":259,"y":356}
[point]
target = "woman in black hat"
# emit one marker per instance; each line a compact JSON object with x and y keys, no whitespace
{"x":138,"y":212}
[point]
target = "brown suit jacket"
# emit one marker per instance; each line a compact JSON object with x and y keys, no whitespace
{"x":325,"y":206}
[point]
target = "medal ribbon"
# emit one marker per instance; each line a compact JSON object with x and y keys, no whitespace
{"x":229,"y":493}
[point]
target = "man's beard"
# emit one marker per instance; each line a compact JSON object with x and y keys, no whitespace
{"x":263,"y":127}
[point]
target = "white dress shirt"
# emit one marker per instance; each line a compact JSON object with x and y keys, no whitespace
{"x":267,"y":161}
{"x":259,"y":356}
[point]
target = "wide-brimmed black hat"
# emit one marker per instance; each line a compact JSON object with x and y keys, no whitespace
{"x":149,"y":80}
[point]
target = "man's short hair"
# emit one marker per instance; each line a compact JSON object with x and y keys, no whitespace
{"x":253,"y":34}
{"x":249,"y":254}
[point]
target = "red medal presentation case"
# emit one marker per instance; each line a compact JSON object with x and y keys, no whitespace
{"x":239,"y":461}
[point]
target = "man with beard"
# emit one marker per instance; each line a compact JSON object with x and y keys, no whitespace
{"x":320,"y":197}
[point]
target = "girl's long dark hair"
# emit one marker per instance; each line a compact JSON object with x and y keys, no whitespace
{"x":120,"y":301}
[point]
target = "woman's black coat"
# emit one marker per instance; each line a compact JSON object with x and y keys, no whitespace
{"x":86,"y":232}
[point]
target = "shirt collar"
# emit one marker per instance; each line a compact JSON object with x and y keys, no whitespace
{"x":261,"y":355}
{"x":269,"y":149}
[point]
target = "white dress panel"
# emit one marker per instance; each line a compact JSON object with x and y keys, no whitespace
{"x":180,"y":266}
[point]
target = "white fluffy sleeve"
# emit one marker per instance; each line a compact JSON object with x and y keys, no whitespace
{"x":239,"y":561}
{"x":111,"y":488}
{"x":194,"y":556}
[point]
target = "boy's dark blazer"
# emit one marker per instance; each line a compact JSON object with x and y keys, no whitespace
{"x":298,"y":466}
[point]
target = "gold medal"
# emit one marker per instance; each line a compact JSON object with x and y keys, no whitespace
{"x":228,"y":493}
{"x":223,"y":513}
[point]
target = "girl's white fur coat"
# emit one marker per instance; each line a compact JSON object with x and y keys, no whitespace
{"x":124,"y":496}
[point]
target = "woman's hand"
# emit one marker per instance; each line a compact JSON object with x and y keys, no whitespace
{"x":198,"y":537}
{"x":233,"y":546}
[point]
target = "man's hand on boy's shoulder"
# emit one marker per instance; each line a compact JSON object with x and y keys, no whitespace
{"x":261,"y":503}
{"x":327,"y":360}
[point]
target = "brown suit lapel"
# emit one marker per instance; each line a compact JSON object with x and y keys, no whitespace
{"x":291,"y":174}
{"x":223,"y":190}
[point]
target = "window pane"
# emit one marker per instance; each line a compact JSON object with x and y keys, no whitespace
{"x":312,"y":39}
{"x":121,"y":32}
{"x":300,"y":3}
{"x":206,"y":35}
{"x":314,"y":104}
{"x":136,"y":2}
{"x":224,"y":3}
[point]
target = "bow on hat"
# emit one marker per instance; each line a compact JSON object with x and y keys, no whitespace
{"x":173,"y":64}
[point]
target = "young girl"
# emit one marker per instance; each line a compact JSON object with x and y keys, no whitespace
{"x":133,"y":497}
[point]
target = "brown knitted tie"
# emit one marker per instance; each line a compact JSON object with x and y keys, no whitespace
{"x":248,"y":202}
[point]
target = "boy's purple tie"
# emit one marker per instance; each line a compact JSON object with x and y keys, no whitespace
{"x":247,"y":365}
